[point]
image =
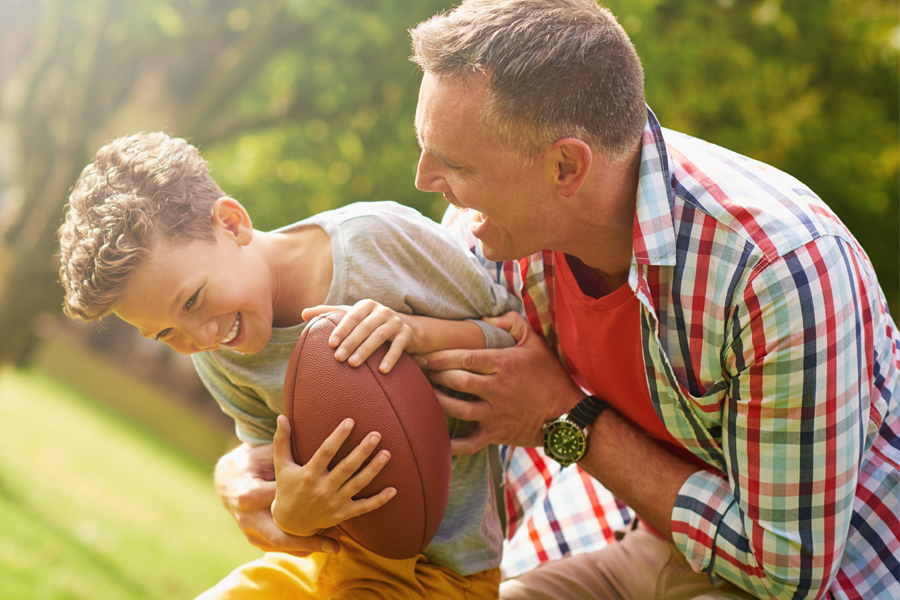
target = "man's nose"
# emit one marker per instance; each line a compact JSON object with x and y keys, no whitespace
{"x":428,"y":177}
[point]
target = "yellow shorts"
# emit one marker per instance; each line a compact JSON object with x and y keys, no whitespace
{"x":353,"y":573}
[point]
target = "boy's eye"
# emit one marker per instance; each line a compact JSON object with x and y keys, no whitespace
{"x":192,"y":300}
{"x":162,"y":334}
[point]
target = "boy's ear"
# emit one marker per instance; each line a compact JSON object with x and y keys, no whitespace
{"x":233,"y":219}
{"x":572,"y":162}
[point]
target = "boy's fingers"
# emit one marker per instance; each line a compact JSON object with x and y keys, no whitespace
{"x":366,"y":474}
{"x":361,"y":343}
{"x":512,"y":322}
{"x":393,"y":355}
{"x":322,"y":457}
{"x":349,"y":325}
{"x":344,"y":470}
{"x":361,"y":507}
{"x":312,"y":312}
{"x":284,"y":457}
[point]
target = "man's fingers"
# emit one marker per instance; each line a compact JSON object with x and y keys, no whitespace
{"x":251,"y":495}
{"x":473,"y":361}
{"x":282,"y":541}
{"x":470,"y":445}
{"x":465,"y":410}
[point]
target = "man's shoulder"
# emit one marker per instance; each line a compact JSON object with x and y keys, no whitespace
{"x":753,"y":200}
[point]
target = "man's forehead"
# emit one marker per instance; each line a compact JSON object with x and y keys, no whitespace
{"x":449,"y":99}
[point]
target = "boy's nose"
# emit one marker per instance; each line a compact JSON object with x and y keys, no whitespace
{"x":203,"y":336}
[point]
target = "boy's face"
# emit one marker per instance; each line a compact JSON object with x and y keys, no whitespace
{"x":203,"y":295}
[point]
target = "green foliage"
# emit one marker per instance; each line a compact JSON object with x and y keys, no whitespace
{"x":91,"y":507}
{"x":340,"y":103}
{"x":809,"y":87}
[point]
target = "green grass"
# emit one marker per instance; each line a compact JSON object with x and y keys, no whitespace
{"x":91,"y":506}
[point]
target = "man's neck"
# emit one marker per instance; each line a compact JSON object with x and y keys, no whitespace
{"x":604,"y":238}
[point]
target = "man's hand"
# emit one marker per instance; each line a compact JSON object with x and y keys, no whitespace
{"x":519,"y":388}
{"x":311,"y":497}
{"x":245,"y":481}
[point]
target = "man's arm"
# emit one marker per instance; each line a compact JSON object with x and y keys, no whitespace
{"x":523,"y":387}
{"x":245,"y":481}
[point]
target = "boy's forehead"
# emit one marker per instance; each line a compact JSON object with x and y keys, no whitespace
{"x":157,"y":282}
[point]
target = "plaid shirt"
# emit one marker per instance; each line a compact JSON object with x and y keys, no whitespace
{"x":769,"y":354}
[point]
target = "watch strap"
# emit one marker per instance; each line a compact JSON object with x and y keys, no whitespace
{"x":587,"y":411}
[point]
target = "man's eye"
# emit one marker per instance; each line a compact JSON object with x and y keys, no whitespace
{"x":191,"y":301}
{"x":162,"y":334}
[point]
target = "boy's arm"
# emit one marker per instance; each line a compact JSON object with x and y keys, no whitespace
{"x":368,"y":324}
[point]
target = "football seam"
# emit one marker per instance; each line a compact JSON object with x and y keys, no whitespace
{"x":292,"y":381}
{"x":406,"y":436}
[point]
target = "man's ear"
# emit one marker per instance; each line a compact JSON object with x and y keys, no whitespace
{"x":230,"y":217}
{"x":572,"y":162}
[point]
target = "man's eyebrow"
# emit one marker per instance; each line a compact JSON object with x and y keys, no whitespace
{"x":437,"y":154}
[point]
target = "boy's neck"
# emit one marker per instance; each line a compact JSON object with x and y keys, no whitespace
{"x":302,"y":269}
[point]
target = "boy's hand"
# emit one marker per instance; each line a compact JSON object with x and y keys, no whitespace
{"x":311,"y":498}
{"x":365,"y":327}
{"x":245,"y":481}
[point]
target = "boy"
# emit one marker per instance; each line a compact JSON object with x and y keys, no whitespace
{"x":150,"y":237}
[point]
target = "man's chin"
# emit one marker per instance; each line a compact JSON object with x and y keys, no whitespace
{"x":496,"y":254}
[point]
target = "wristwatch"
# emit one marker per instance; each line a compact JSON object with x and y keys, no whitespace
{"x":565,"y":438}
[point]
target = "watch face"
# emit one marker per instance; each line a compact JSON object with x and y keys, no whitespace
{"x":564,"y":442}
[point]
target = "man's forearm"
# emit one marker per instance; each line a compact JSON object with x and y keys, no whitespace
{"x":635,"y":470}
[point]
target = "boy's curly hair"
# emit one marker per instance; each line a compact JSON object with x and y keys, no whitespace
{"x":139,"y":190}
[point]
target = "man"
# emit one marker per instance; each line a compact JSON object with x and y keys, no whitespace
{"x":740,"y":358}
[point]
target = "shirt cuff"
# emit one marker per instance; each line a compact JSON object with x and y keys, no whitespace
{"x":494,"y":337}
{"x":703,"y":501}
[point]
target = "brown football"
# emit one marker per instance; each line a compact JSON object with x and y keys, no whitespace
{"x":320,"y":392}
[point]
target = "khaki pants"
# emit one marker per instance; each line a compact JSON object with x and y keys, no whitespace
{"x":354,"y":573}
{"x":641,"y":566}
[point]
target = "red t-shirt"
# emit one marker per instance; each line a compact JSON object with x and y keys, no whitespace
{"x":601,"y":342}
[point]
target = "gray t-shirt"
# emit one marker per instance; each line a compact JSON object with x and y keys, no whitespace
{"x":394,"y":255}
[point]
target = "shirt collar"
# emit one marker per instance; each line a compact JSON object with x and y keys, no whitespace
{"x":654,"y":234}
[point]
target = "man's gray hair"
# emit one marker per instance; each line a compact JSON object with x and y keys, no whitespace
{"x":558,"y":68}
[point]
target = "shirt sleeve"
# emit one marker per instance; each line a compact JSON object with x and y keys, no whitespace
{"x":411,"y":264}
{"x":793,"y":428}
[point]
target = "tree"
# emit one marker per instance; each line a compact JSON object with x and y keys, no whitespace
{"x":75,"y":73}
{"x":305,"y":105}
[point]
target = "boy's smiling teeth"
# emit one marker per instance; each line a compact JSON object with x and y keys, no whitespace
{"x":233,"y":332}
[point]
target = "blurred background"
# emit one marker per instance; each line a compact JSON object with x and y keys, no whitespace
{"x":107,"y":440}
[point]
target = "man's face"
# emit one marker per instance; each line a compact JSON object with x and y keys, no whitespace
{"x":463,"y":162}
{"x":201,"y":296}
